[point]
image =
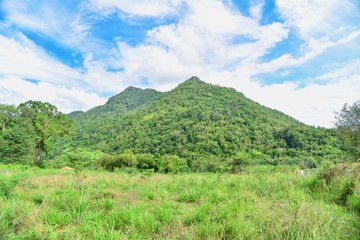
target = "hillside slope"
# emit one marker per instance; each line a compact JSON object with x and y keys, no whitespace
{"x":195,"y":120}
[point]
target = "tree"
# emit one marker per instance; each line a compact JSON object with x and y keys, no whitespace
{"x":128,"y":158}
{"x":146,"y":161}
{"x":16,"y":142}
{"x":48,"y":124}
{"x":7,"y":113}
{"x":348,"y":125}
{"x":173,"y":164}
{"x":109,"y":162}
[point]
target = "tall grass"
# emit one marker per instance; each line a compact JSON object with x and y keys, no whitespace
{"x":261,"y":203}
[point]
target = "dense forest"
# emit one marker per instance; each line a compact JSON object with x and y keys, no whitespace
{"x":196,"y":126}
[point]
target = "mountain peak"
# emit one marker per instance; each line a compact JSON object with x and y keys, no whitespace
{"x":132,"y":97}
{"x":194,"y":79}
{"x":198,"y":120}
{"x":132,"y":89}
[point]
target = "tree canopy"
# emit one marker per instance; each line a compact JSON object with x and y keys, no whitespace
{"x":30,"y":129}
{"x":348,"y":124}
{"x":195,"y":126}
{"x":197,"y":120}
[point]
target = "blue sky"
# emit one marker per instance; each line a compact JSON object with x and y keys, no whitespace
{"x":300,"y":57}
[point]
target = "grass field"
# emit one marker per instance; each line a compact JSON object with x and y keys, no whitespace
{"x":262,"y":202}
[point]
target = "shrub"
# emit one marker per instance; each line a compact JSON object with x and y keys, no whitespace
{"x":145,"y":161}
{"x":173,"y":164}
{"x":7,"y":185}
{"x":109,"y":162}
{"x":128,"y":158}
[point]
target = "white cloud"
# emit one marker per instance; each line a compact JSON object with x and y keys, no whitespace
{"x":314,"y":48}
{"x":49,"y":18}
{"x":15,"y":90}
{"x":256,"y":10}
{"x":21,"y":57}
{"x":204,"y":40}
{"x":57,"y":83}
{"x":99,"y":78}
{"x":211,"y":39}
{"x":315,"y":18}
{"x":314,"y":104}
{"x":67,"y":25}
{"x":216,"y":17}
{"x":142,"y":8}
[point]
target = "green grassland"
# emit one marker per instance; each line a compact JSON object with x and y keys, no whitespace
{"x":262,"y":202}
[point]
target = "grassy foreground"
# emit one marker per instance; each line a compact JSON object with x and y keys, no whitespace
{"x":261,"y":203}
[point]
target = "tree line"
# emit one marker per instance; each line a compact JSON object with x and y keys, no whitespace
{"x":31,"y":133}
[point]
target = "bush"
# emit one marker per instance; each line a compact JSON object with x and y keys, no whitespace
{"x":7,"y":185}
{"x":128,"y":158}
{"x":173,"y":164}
{"x":109,"y":162}
{"x":335,"y":184}
{"x":78,"y":159}
{"x":239,"y":161}
{"x":354,"y":202}
{"x":145,"y":161}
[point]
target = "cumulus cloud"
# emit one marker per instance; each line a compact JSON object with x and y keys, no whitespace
{"x":211,"y":39}
{"x":21,"y":57}
{"x":204,"y":40}
{"x":28,"y":72}
{"x":49,"y":18}
{"x":15,"y":90}
{"x":316,"y":18}
{"x":315,"y":103}
{"x":142,"y":8}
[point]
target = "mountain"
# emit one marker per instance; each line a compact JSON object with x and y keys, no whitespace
{"x":195,"y":120}
{"x":127,"y":100}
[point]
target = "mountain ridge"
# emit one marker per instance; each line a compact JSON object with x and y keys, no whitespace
{"x":197,"y":119}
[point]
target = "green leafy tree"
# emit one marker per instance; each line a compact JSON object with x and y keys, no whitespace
{"x":48,"y":124}
{"x":128,"y":158}
{"x":348,"y":125}
{"x":7,"y":113}
{"x":173,"y":164}
{"x":196,"y":121}
{"x":16,"y":142}
{"x":146,"y":161}
{"x":109,"y":162}
{"x":81,"y":158}
{"x":239,"y":161}
{"x":16,"y":136}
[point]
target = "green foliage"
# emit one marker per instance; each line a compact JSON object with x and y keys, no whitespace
{"x":29,"y":130}
{"x":7,"y":114}
{"x":16,"y":143}
{"x":336,"y":183}
{"x":48,"y":124}
{"x":200,"y":122}
{"x":348,"y":125}
{"x":16,"y":136}
{"x":109,"y":162}
{"x":81,"y":159}
{"x":146,"y":161}
{"x":128,"y":158}
{"x":7,"y":185}
{"x":240,"y":161}
{"x":173,"y":164}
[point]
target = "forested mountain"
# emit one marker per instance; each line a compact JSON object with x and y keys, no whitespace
{"x":127,"y":100}
{"x":195,"y":121}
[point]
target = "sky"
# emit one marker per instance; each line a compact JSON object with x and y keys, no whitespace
{"x":301,"y":57}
